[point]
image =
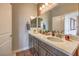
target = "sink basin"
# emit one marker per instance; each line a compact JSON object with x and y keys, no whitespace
{"x":54,"y":39}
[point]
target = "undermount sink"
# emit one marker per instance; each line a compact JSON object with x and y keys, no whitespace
{"x":54,"y":39}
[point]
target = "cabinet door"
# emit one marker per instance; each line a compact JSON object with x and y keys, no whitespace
{"x":33,"y":43}
{"x":30,"y":41}
{"x":42,"y":52}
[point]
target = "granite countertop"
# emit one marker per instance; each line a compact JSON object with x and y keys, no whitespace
{"x":68,"y":47}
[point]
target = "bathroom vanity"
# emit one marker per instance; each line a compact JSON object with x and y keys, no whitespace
{"x":42,"y":46}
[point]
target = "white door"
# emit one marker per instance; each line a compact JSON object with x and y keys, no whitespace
{"x":5,"y":29}
{"x":78,"y":25}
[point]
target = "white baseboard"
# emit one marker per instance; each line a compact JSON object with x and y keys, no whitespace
{"x":20,"y":50}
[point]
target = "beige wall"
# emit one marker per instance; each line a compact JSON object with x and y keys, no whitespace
{"x":21,"y":13}
{"x":65,"y":8}
{"x":5,"y":18}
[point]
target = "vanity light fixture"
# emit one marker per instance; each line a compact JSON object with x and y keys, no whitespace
{"x":46,"y":6}
{"x":43,"y":6}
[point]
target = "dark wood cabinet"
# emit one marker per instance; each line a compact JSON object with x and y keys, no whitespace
{"x":42,"y":49}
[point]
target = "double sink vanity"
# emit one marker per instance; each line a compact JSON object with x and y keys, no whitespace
{"x":66,"y":23}
{"x":48,"y":45}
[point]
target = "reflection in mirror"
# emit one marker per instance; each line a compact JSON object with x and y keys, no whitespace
{"x":61,"y":20}
{"x":33,"y":22}
{"x":58,"y":23}
{"x":58,"y":19}
{"x":36,"y":22}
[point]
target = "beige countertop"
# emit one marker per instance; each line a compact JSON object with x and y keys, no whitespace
{"x":68,"y":47}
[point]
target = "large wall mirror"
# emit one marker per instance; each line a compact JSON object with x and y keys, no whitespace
{"x":59,"y":18}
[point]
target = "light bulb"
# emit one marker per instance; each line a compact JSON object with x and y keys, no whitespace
{"x":40,"y":8}
{"x":43,"y":6}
